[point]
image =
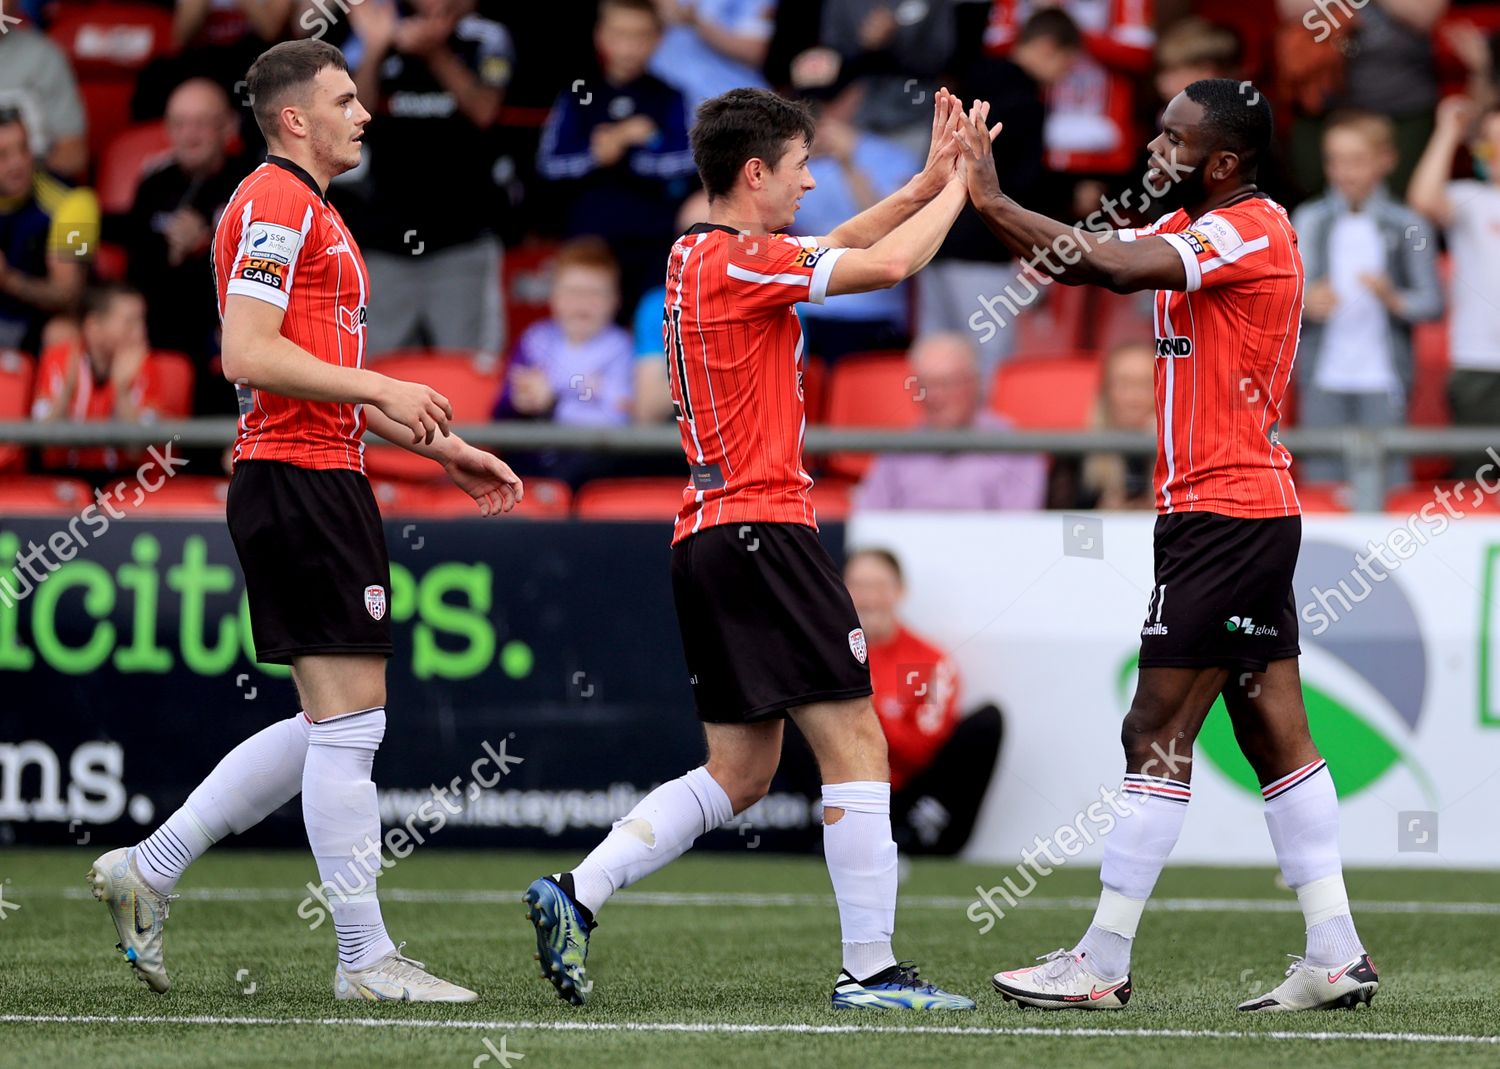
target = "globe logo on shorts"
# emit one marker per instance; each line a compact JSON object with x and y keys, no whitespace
{"x":375,"y":601}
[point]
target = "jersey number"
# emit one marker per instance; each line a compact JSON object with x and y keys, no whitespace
{"x":682,"y":405}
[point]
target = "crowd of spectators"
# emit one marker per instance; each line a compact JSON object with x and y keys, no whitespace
{"x":503,"y":129}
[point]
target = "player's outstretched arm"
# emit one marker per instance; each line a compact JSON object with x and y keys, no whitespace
{"x":875,"y":222}
{"x":257,"y":354}
{"x":904,"y":251}
{"x":1072,"y":255}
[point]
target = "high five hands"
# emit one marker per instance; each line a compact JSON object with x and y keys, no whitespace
{"x":973,"y":141}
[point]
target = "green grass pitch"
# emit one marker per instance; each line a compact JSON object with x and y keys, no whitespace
{"x":724,"y":959}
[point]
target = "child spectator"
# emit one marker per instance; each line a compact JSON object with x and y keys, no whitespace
{"x":575,"y":367}
{"x":1469,"y":210}
{"x":1371,"y":273}
{"x":102,"y":374}
{"x":621,"y":142}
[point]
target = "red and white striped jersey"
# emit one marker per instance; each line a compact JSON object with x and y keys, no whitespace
{"x":1224,"y":351}
{"x":734,"y":345}
{"x":280,"y":241}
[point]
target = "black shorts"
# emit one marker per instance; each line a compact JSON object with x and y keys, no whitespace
{"x":313,"y":552}
{"x":1223,"y":593}
{"x":767,"y":623}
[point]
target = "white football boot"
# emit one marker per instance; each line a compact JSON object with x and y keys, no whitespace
{"x":1062,"y":983}
{"x":1318,"y":987}
{"x":139,"y":913}
{"x":396,"y":978}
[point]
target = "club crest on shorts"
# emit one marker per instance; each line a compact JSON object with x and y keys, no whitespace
{"x":375,"y":601}
{"x":857,"y":644}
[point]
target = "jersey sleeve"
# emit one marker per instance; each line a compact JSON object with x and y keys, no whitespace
{"x":269,"y":248}
{"x":1221,"y":249}
{"x":770,"y":272}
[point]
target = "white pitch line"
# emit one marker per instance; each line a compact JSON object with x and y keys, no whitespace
{"x":717,"y":899}
{"x":710,"y":1028}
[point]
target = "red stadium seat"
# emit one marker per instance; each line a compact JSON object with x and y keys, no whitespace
{"x":107,"y":45}
{"x":545,"y":499}
{"x":180,"y":497}
{"x":814,"y":388}
{"x":1048,"y":392}
{"x":42,"y":495}
{"x":658,"y":499}
{"x":1054,"y":321}
{"x":869,"y":390}
{"x":526,"y":285}
{"x":468,"y":380}
{"x":131,"y":155}
{"x":1406,"y":500}
{"x":1323,"y":497}
{"x":17,"y":370}
{"x":169,"y":390}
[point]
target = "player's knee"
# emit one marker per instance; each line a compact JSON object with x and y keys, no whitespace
{"x":1146,"y":732}
{"x":746,"y":789}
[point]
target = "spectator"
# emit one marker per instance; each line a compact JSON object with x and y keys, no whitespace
{"x":1091,"y":131}
{"x":1469,"y":211}
{"x":941,"y":763}
{"x":171,"y":226}
{"x":652,"y":393}
{"x":1371,"y":272}
{"x":433,"y":73}
{"x":947,"y":381}
{"x":575,"y":367}
{"x":713,"y":46}
{"x":853,"y":170}
{"x":1127,"y":402}
{"x":893,"y":53}
{"x":36,"y":81}
{"x":101,"y":374}
{"x":1193,"y":48}
{"x":971,"y":263}
{"x":47,"y":233}
{"x":621,"y":144}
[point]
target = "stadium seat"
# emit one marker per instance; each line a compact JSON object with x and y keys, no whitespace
{"x":526,"y":284}
{"x":1054,"y":321}
{"x":545,"y":499}
{"x":1405,"y":500}
{"x":17,"y":371}
{"x":170,"y":378}
{"x":657,"y":499}
{"x":815,"y":389}
{"x":42,"y":495}
{"x":131,"y":154}
{"x":1323,"y":497}
{"x":107,"y":45}
{"x":180,"y":497}
{"x":468,"y":380}
{"x":869,"y":390}
{"x":1048,"y":392}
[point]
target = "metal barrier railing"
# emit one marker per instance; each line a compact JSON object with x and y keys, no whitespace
{"x":1365,"y":451}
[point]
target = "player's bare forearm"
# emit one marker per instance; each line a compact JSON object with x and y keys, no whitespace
{"x":479,"y":103}
{"x":439,"y":452}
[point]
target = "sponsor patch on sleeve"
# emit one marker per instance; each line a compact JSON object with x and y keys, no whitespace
{"x":808,"y":257}
{"x":271,"y":241}
{"x":265,"y":271}
{"x":1213,"y":234}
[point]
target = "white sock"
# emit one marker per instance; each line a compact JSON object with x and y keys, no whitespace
{"x":1302,"y":815}
{"x":861,"y":858}
{"x":1135,"y":852}
{"x":660,"y":828}
{"x":343,"y":829}
{"x":255,"y":779}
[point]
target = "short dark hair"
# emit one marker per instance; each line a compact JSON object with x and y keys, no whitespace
{"x":101,"y":296}
{"x":642,"y":7}
{"x":1052,"y":24}
{"x":10,"y":115}
{"x":881,"y":554}
{"x":743,"y":125}
{"x":281,"y":69}
{"x":1238,"y":117}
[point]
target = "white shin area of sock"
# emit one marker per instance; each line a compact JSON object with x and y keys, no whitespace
{"x":1135,"y":852}
{"x":253,"y":780}
{"x":1302,"y":815}
{"x":343,"y":828}
{"x":659,"y":829}
{"x":861,"y":858}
